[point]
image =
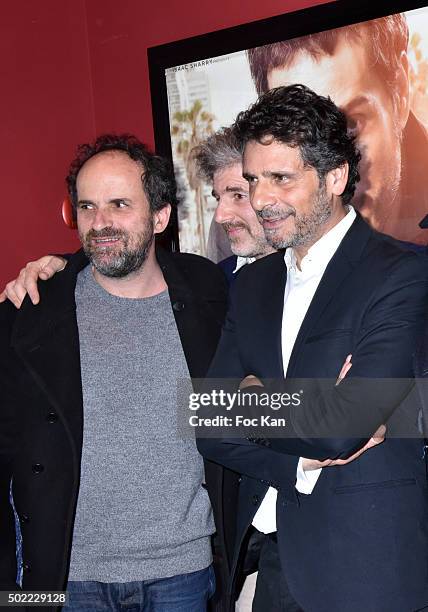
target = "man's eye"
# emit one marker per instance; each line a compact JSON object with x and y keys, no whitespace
{"x":281,"y":178}
{"x":120,"y":203}
{"x":240,"y":196}
{"x":84,"y":206}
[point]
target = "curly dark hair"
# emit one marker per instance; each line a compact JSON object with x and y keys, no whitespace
{"x":385,"y":39}
{"x":298,"y":117}
{"x":157,"y":178}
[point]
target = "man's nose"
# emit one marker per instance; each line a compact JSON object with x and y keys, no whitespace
{"x":223,"y":213}
{"x":101,"y":219}
{"x":262,"y":195}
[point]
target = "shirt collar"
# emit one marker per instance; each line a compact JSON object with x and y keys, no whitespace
{"x":323,"y":250}
{"x":241,"y":262}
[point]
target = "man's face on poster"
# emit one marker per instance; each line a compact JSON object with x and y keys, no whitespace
{"x":360,"y":91}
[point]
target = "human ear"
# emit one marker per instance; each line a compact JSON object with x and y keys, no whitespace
{"x":161,"y":218}
{"x":337,"y":179}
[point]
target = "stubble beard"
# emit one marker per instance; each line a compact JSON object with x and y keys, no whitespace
{"x":308,"y":228}
{"x":252,"y":246}
{"x":121,"y":260}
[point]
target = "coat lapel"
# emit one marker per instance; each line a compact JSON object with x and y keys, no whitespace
{"x":340,"y":266}
{"x":199,"y":316}
{"x":46,"y":339}
{"x":267,"y":332}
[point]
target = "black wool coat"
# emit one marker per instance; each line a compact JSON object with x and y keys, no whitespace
{"x":41,"y":415}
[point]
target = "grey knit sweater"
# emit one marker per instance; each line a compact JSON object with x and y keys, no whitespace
{"x":142,"y":512}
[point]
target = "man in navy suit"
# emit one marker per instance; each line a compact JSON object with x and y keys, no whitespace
{"x":357,"y":537}
{"x":219,"y":163}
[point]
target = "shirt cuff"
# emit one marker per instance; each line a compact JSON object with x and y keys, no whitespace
{"x":306,"y":481}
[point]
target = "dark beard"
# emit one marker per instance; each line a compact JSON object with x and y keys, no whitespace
{"x":111,"y":261}
{"x":308,"y":226}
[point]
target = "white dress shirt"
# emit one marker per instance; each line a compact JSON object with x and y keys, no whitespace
{"x":241,"y":262}
{"x":299,"y":290}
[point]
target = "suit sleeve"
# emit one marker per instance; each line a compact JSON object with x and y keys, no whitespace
{"x":338,"y":421}
{"x":381,"y":375}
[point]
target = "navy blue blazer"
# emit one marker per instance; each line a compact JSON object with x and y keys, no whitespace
{"x":228,"y":265}
{"x":360,"y":540}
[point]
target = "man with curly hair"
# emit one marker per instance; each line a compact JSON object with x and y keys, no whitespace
{"x":365,"y":69}
{"x":346,"y":304}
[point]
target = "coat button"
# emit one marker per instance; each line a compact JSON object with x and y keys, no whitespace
{"x":256,"y":499}
{"x":26,"y":567}
{"x":52,"y":417}
{"x":24,"y":518}
{"x":38,"y":468}
{"x":178,"y":306}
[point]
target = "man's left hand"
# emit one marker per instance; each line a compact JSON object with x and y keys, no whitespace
{"x":377,"y":438}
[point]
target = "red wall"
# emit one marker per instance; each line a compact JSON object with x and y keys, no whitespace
{"x":45,"y":107}
{"x":70,"y":70}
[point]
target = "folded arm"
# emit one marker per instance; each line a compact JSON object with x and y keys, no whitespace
{"x":320,"y":428}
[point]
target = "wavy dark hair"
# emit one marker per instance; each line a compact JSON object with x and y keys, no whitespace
{"x":157,"y":177}
{"x":298,"y":117}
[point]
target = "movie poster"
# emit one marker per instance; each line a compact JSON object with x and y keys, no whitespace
{"x":376,"y":71}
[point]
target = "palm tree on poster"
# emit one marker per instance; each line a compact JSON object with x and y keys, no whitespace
{"x":189,"y":129}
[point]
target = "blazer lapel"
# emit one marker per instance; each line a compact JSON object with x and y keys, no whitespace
{"x":340,"y":266}
{"x":271,"y":305}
